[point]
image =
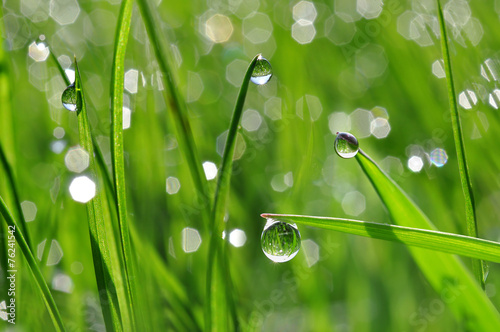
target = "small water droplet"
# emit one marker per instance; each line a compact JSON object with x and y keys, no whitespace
{"x":346,"y":145}
{"x":280,"y":241}
{"x":262,"y":71}
{"x":69,"y":99}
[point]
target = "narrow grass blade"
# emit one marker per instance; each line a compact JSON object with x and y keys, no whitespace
{"x":121,"y":39}
{"x":99,"y":242}
{"x":177,"y":110}
{"x":15,"y":195}
{"x":471,"y":303}
{"x":37,"y":274}
{"x":218,"y":281}
{"x":423,"y":238}
{"x":470,"y":209}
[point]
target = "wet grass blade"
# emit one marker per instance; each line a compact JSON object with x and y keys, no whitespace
{"x":470,"y":209}
{"x":37,"y":274}
{"x":440,"y":269}
{"x":99,"y":243}
{"x":178,"y":111}
{"x":423,"y":238}
{"x":218,"y":278}
{"x":118,"y":162}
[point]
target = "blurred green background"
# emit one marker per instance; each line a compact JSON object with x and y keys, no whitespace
{"x":370,"y":68}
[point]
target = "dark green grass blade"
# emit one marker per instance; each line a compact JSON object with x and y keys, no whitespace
{"x":99,"y":243}
{"x":121,"y":39}
{"x":470,"y":209}
{"x":219,"y":282}
{"x":15,"y":195}
{"x":37,"y":274}
{"x":440,"y":269}
{"x":177,"y":110}
{"x":423,"y":238}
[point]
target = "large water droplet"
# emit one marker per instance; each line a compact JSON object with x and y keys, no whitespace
{"x":69,"y":99}
{"x":262,"y":71}
{"x":346,"y":145}
{"x":280,"y":241}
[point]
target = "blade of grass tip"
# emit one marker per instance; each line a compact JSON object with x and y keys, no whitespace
{"x":423,"y":238}
{"x":178,"y":112}
{"x":117,"y":81}
{"x":99,"y":244}
{"x":213,"y":317}
{"x":15,"y":195}
{"x":443,"y":271}
{"x":37,"y":274}
{"x":470,"y":209}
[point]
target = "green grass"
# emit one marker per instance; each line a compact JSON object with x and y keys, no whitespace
{"x":131,"y":258}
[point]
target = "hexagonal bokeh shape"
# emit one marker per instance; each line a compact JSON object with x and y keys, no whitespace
{"x":467,"y":99}
{"x":235,"y":71}
{"x":257,"y":28}
{"x":361,"y":123}
{"x":311,"y":251}
{"x":76,"y":159}
{"x":313,"y":104}
{"x":237,"y":238}
{"x":354,"y":203}
{"x":64,"y":11}
{"x":82,"y":189}
{"x":191,"y":239}
{"x":339,"y":31}
{"x":272,"y":108}
{"x":371,"y":61}
{"x":131,"y":79}
{"x":239,"y":148}
{"x":218,"y":28}
{"x":369,"y":9}
{"x":438,"y":69}
{"x":38,"y":52}
{"x":339,"y":122}
{"x":29,"y":210}
{"x":251,"y":120}
{"x":415,"y":164}
{"x":303,"y":32}
{"x":195,"y":87}
{"x":172,"y":185}
{"x":457,"y":12}
{"x":380,"y":127}
{"x":210,"y":170}
{"x":304,"y":10}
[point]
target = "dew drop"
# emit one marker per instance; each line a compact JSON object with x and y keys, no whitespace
{"x":262,"y":71}
{"x":280,"y":241}
{"x":69,"y":99}
{"x":346,"y":145}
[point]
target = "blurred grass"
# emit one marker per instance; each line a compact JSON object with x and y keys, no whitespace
{"x":357,"y":284}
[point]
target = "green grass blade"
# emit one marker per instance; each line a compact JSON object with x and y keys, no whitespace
{"x":37,"y":274}
{"x":472,"y":305}
{"x":218,"y":281}
{"x":423,"y":238}
{"x":117,"y":81}
{"x":470,"y":209}
{"x":99,"y":242}
{"x":15,"y":195}
{"x":178,"y":111}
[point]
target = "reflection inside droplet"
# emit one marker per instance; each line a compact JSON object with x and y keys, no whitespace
{"x":262,"y":71}
{"x":280,"y":241}
{"x":69,"y":99}
{"x":346,"y":145}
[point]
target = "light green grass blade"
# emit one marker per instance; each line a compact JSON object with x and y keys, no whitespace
{"x":178,"y":111}
{"x":423,"y":238}
{"x":37,"y":274}
{"x":98,"y":238}
{"x":118,"y":162}
{"x":218,"y":278}
{"x":470,"y":209}
{"x":472,"y":306}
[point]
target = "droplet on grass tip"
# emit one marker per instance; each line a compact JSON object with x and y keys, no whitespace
{"x":69,"y":99}
{"x":262,"y":71}
{"x":346,"y":145}
{"x":280,"y":241}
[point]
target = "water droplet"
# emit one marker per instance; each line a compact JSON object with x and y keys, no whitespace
{"x":280,"y":241}
{"x":262,"y":71}
{"x":68,"y":98}
{"x":346,"y":145}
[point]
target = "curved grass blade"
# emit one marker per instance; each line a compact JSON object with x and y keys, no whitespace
{"x":218,"y":281}
{"x":121,"y":39}
{"x":37,"y":274}
{"x":429,"y":239}
{"x":99,"y":242}
{"x":470,"y":209}
{"x":178,"y":111}
{"x":440,"y":269}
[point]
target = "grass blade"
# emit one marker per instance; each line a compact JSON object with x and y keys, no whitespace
{"x":37,"y":274}
{"x":99,"y":242}
{"x":178,"y":111}
{"x":470,"y":209}
{"x":423,"y":238}
{"x":472,"y":305}
{"x":117,"y":81}
{"x":219,"y":282}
